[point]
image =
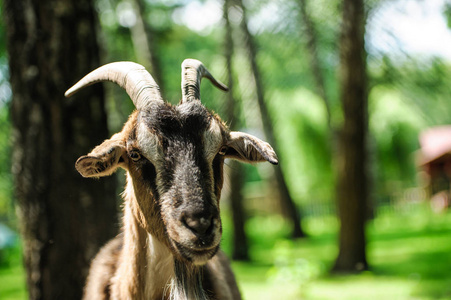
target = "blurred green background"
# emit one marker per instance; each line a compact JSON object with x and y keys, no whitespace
{"x":408,"y":46}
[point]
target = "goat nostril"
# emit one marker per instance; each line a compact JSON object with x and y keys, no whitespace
{"x":198,"y":225}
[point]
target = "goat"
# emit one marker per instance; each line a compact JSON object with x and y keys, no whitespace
{"x":173,"y":156}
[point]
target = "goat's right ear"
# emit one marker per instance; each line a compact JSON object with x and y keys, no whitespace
{"x":104,"y":159}
{"x":250,"y":149}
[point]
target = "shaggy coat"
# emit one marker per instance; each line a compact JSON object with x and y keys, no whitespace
{"x":174,"y":157}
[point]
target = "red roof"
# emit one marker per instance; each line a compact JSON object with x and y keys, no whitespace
{"x":435,"y":143}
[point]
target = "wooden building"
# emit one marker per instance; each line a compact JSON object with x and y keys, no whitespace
{"x":434,"y":158}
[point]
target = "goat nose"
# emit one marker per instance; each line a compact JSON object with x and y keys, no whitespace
{"x":198,"y":225}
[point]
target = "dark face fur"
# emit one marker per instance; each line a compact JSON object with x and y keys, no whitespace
{"x":175,"y":151}
{"x":174,"y":156}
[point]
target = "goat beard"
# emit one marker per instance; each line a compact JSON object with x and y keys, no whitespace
{"x":187,"y":283}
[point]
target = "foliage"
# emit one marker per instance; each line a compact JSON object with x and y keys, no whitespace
{"x":6,"y":207}
{"x":408,"y":93}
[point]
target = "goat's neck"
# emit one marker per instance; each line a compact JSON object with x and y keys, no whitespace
{"x":146,"y":265}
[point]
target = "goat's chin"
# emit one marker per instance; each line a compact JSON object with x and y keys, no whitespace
{"x":197,"y":257}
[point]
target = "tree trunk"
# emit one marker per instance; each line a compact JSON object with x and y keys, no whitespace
{"x":312,"y":47}
{"x":143,"y":38}
{"x":64,"y":218}
{"x":352,"y":191}
{"x":287,"y":202}
{"x":237,"y":174}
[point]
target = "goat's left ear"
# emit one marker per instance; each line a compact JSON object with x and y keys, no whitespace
{"x":104,"y":159}
{"x":248,"y":148}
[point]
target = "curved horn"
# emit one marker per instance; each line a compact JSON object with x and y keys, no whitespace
{"x":192,"y":73}
{"x":132,"y":77}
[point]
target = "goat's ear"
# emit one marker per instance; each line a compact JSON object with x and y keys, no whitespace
{"x":248,"y":148}
{"x":104,"y":159}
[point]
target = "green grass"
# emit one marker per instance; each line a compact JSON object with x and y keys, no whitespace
{"x":12,"y":276}
{"x":12,"y":283}
{"x":409,"y":253}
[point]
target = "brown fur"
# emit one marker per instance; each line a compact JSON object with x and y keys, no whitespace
{"x":168,"y":249}
{"x":120,"y":270}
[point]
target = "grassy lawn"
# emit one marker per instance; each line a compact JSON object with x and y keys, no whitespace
{"x":12,"y":276}
{"x":12,"y":283}
{"x":409,"y":253}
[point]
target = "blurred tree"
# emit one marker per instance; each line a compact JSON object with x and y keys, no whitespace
{"x":144,"y":42}
{"x":447,"y":13}
{"x":315,"y":62}
{"x":64,"y":218}
{"x":286,"y":200}
{"x":237,"y":171}
{"x":352,"y":179}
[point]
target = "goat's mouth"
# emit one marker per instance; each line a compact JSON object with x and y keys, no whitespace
{"x":194,"y":240}
{"x":196,"y":249}
{"x":197,"y":256}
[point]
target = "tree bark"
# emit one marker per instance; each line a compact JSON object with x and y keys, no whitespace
{"x":240,"y":250}
{"x":64,"y":218}
{"x":237,"y":173}
{"x":352,"y":187}
{"x":287,"y":202}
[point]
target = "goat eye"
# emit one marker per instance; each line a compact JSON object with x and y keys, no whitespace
{"x":134,"y":155}
{"x":223,"y":150}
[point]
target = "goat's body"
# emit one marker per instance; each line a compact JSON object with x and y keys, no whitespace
{"x":135,"y":265}
{"x":103,"y":283}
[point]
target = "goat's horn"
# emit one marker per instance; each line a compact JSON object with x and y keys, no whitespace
{"x":192,"y":73}
{"x":132,"y":77}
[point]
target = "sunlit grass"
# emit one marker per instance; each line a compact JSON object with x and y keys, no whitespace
{"x":12,"y":283}
{"x":409,"y":253}
{"x":364,"y":286}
